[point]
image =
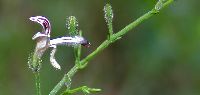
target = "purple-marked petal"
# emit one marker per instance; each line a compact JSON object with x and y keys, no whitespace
{"x":44,"y":22}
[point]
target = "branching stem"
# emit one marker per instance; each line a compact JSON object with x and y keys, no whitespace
{"x":106,"y":43}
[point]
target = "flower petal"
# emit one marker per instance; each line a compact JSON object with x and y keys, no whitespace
{"x":44,"y":22}
{"x":70,"y":41}
{"x":53,"y":61}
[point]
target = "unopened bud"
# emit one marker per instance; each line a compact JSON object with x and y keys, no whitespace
{"x":108,"y":13}
{"x":72,"y":25}
{"x":34,"y":62}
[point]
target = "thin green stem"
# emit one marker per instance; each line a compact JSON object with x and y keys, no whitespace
{"x":66,"y":79}
{"x":119,"y":34}
{"x":110,"y":29}
{"x":37,"y":83}
{"x":77,"y":51}
{"x":168,"y":2}
{"x":105,"y":44}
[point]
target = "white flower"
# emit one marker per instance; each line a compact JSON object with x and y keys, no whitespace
{"x":44,"y":42}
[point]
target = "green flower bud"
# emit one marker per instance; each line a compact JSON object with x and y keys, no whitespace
{"x":72,"y":25}
{"x":34,"y":62}
{"x":108,"y":13}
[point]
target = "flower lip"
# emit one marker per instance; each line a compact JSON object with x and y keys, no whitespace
{"x":44,"y":22}
{"x":37,"y":19}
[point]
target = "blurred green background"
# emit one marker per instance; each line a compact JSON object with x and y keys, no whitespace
{"x":159,"y":57}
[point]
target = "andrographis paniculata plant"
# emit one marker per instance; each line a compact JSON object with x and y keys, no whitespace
{"x":75,"y":39}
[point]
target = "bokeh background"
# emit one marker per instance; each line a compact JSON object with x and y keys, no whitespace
{"x":159,"y":57}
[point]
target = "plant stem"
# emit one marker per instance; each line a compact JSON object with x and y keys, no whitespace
{"x":119,"y":34}
{"x":167,"y":3}
{"x":67,"y":78}
{"x":110,"y":29}
{"x":105,"y":44}
{"x":77,"y":51}
{"x":37,"y":83}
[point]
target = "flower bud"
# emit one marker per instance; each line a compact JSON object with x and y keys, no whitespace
{"x":34,"y":62}
{"x":108,"y":13}
{"x":72,"y":25}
